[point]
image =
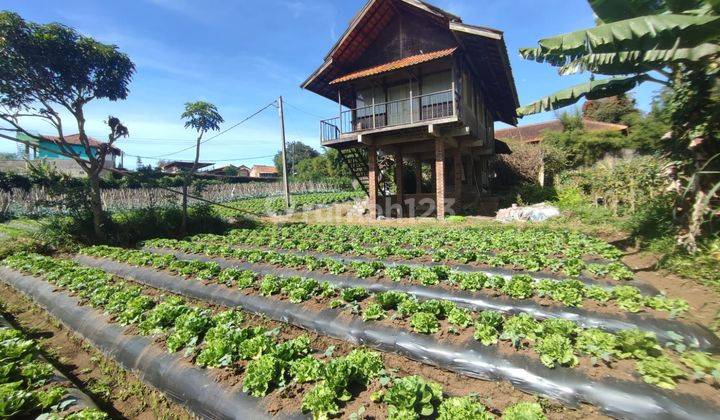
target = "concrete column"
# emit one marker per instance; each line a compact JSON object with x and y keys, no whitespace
{"x":372,"y":181}
{"x":440,"y":178}
{"x":417,"y":165}
{"x":458,"y":177}
{"x":399,"y":178}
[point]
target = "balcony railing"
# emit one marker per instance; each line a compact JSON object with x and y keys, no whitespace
{"x":411,"y":110}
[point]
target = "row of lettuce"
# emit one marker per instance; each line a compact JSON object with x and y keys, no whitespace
{"x":531,"y":249}
{"x":569,"y":292}
{"x":228,"y":340}
{"x":276,"y":204}
{"x":28,"y":388}
{"x":554,"y":341}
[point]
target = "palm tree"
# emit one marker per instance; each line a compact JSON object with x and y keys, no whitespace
{"x":674,"y":43}
{"x":203,"y":117}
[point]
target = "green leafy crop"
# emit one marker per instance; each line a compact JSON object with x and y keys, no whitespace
{"x":353,"y":294}
{"x":597,"y":343}
{"x":556,"y":349}
{"x":460,"y":317}
{"x":519,"y":327}
{"x":306,"y":369}
{"x":520,"y":287}
{"x":660,"y":371}
{"x":486,"y":334}
{"x":373,"y":311}
{"x":524,"y":411}
{"x":321,"y":401}
{"x":702,"y":364}
{"x":262,"y":373}
{"x":425,"y":323}
{"x":412,"y":397}
{"x":462,"y":408}
{"x":637,"y":344}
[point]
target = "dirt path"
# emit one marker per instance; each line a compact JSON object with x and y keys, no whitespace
{"x":116,"y":391}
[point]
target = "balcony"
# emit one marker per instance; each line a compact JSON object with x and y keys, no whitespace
{"x":398,"y":114}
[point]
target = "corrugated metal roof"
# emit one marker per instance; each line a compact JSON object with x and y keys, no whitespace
{"x":395,"y":65}
{"x":532,"y":133}
{"x":75,"y":139}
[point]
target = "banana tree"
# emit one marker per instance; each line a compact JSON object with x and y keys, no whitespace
{"x":674,"y":43}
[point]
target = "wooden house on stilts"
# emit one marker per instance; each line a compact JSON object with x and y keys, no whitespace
{"x":417,"y":87}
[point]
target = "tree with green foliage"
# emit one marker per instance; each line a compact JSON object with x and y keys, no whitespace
{"x":296,"y":152}
{"x":673,"y":43}
{"x":47,"y":70}
{"x":326,"y":166}
{"x":202,"y":117}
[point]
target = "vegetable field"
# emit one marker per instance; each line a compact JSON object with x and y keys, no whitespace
{"x":360,"y":322}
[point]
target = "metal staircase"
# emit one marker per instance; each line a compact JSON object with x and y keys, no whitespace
{"x":356,"y":158}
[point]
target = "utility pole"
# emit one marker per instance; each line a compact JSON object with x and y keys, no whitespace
{"x":284,"y":161}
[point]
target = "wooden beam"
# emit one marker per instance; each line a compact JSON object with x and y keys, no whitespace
{"x":372,"y":181}
{"x":440,"y":178}
{"x":399,"y":178}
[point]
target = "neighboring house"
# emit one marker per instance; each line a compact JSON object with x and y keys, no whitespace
{"x":230,"y":170}
{"x":534,"y":133}
{"x":263,"y":171}
{"x":48,"y":150}
{"x":415,"y":83}
{"x":180,"y":166}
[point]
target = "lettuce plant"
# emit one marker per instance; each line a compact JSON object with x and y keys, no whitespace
{"x":412,"y":397}
{"x":373,"y":312}
{"x":556,"y":349}
{"x":524,"y":411}
{"x":660,"y":371}
{"x":425,"y":323}
{"x":466,"y":408}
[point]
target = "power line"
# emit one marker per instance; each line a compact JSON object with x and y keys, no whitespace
{"x":302,"y":110}
{"x":209,"y":138}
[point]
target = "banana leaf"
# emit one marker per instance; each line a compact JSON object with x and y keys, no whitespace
{"x":630,"y":62}
{"x":641,"y":33}
{"x":609,"y":11}
{"x":595,"y":89}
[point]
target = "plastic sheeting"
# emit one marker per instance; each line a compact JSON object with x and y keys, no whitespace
{"x":666,"y":330}
{"x":188,"y":385}
{"x":80,"y":399}
{"x":535,"y":213}
{"x":621,"y":399}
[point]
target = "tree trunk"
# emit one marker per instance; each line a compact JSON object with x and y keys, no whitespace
{"x":186,"y":184}
{"x":183,"y":226}
{"x":96,"y":207}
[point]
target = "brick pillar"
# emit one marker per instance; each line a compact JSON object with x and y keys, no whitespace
{"x":399,"y":180}
{"x":458,"y":172}
{"x":372,"y":181}
{"x":440,"y":178}
{"x":417,"y":165}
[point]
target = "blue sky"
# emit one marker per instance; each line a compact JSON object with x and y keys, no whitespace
{"x":243,"y":54}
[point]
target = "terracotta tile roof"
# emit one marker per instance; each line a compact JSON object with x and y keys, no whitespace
{"x":395,"y":65}
{"x":266,"y":169}
{"x":75,"y":139}
{"x":533,"y":133}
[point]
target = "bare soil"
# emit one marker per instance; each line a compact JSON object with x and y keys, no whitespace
{"x":704,"y":301}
